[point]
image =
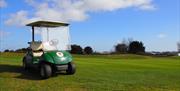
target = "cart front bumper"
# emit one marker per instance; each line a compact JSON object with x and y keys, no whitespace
{"x":61,"y":67}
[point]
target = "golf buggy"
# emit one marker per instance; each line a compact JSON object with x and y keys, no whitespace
{"x":50,"y":55}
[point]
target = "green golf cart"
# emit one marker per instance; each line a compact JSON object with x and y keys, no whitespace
{"x":50,"y":55}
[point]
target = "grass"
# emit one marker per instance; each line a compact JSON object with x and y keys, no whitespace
{"x":96,"y":73}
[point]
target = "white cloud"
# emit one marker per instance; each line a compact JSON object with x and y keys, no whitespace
{"x":20,"y":18}
{"x":73,"y":10}
{"x":161,"y":35}
{"x":147,"y":7}
{"x":3,"y":4}
{"x":110,"y":5}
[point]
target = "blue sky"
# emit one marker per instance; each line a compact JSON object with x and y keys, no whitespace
{"x":154,"y":22}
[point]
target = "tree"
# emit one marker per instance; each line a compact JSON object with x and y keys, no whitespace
{"x":22,"y":50}
{"x":88,"y":50}
{"x":76,"y":49}
{"x":11,"y":50}
{"x":136,"y":47}
{"x":127,"y":41}
{"x":121,"y":48}
{"x":7,"y":50}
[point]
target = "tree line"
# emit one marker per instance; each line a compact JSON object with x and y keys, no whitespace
{"x":75,"y":49}
{"x":133,"y":47}
{"x":124,"y":47}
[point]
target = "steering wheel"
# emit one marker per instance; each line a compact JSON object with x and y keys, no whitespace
{"x":53,"y":42}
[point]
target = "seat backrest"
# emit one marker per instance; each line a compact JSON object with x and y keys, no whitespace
{"x":37,"y":54}
{"x":35,"y":46}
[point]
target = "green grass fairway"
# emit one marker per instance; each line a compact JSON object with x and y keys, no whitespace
{"x":96,"y":73}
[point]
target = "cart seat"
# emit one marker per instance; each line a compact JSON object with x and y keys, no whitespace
{"x":37,"y":54}
{"x":37,"y":48}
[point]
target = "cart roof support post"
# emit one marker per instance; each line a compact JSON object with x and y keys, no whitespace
{"x":32,"y":33}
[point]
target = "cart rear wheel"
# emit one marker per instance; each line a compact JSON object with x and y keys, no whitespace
{"x":45,"y":71}
{"x":71,"y":68}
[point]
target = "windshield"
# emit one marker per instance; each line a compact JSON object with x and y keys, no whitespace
{"x":55,"y":38}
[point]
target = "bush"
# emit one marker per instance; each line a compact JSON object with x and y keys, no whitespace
{"x":121,"y":48}
{"x":136,"y":47}
{"x":88,"y":50}
{"x":76,"y":49}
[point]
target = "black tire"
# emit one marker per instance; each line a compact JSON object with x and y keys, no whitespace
{"x":71,"y":68}
{"x":24,"y":64}
{"x":45,"y":71}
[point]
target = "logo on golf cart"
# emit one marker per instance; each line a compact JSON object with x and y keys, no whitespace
{"x":60,"y":54}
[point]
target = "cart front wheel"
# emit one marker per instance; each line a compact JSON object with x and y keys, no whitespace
{"x":45,"y":71}
{"x":24,"y":64}
{"x":71,"y":68}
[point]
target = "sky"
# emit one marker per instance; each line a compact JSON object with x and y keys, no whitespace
{"x":100,"y":24}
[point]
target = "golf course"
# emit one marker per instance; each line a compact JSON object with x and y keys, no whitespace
{"x":122,"y":72}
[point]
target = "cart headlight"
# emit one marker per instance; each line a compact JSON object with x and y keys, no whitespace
{"x":63,"y":59}
{"x":60,"y":54}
